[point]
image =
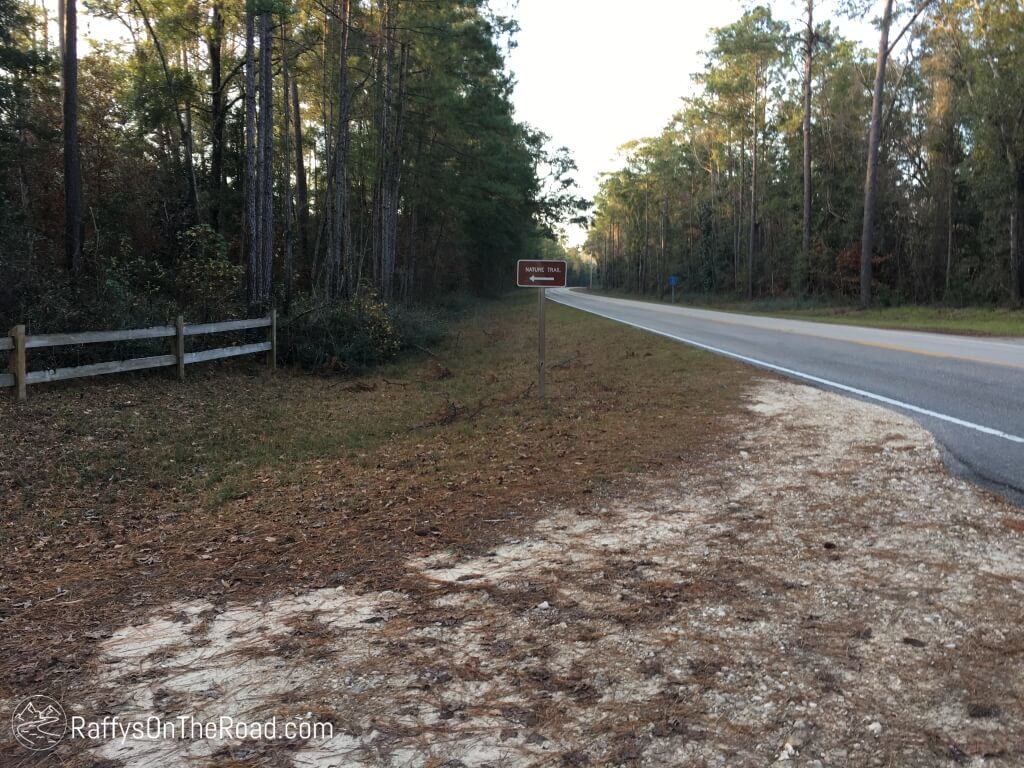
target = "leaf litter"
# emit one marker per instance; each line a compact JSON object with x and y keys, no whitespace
{"x":851,"y":605}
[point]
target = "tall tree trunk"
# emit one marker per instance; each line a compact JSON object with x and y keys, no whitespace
{"x":753,"y":194}
{"x":382,"y":92}
{"x":808,"y":188}
{"x":301,"y":190}
{"x":266,"y":160}
{"x":395,"y":166}
{"x":252,"y":230}
{"x":383,"y":254}
{"x":732,"y":164}
{"x":1017,"y":235}
{"x":662,"y":261}
{"x":192,"y":198}
{"x":60,"y":40}
{"x":874,"y":147}
{"x":645,"y":255}
{"x":72,"y":161}
{"x":340,"y":264}
{"x":214,"y":45}
{"x":949,"y":233}
{"x":740,"y":194}
{"x":286,"y":177}
{"x":391,"y":118}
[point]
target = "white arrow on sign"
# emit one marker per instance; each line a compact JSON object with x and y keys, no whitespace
{"x":534,"y":279}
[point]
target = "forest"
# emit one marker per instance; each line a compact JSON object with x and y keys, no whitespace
{"x":321,"y":157}
{"x":808,"y":166}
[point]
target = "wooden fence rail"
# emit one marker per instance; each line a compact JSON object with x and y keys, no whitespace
{"x":18,"y":343}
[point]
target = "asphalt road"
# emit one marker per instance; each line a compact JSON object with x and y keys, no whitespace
{"x":968,"y":391}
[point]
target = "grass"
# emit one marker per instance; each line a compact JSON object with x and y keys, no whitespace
{"x":124,"y":493}
{"x":976,"y":321}
{"x":979,"y":321}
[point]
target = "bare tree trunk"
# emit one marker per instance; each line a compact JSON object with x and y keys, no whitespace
{"x":72,"y":160}
{"x":663,"y":266}
{"x":949,"y":233}
{"x":874,"y":146}
{"x":738,"y":258}
{"x":645,"y":255}
{"x":753,"y":196}
{"x":60,"y":40}
{"x":1017,"y":236}
{"x":384,"y":255}
{"x":808,"y":188}
{"x":340,"y":258}
{"x":395,"y":168}
{"x":286,"y":181}
{"x":215,"y":44}
{"x":409,"y":281}
{"x":301,"y":189}
{"x":391,"y":119}
{"x":192,"y":195}
{"x":382,"y":78}
{"x":732,"y":163}
{"x":252,"y":230}
{"x":266,"y":153}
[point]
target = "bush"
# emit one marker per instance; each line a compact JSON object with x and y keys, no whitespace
{"x":350,"y":337}
{"x":418,"y":327}
{"x":206,"y":281}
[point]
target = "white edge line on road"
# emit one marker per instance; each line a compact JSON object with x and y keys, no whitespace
{"x":809,"y":377}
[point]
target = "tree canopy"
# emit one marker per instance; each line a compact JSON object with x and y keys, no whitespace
{"x":238,"y":155}
{"x":717,"y":196}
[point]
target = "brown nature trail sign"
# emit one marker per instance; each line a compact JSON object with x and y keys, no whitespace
{"x":543,"y":275}
{"x":540,"y":274}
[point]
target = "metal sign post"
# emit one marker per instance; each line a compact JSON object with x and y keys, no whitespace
{"x":540,"y":342}
{"x":541,"y":275}
{"x":674,"y":280}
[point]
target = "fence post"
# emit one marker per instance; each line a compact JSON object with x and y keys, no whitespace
{"x":272,"y":338}
{"x":18,"y":365}
{"x":179,"y":346}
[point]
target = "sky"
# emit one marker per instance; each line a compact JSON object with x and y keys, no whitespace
{"x":595,"y":74}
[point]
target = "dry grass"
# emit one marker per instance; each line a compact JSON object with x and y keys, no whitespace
{"x":748,"y":617}
{"x":451,"y":574}
{"x":122,"y":494}
{"x":970,"y":321}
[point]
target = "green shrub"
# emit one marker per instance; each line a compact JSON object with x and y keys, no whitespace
{"x":418,"y":327}
{"x":351,"y":337}
{"x":208,"y":285}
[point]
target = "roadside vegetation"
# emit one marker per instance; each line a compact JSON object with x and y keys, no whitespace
{"x":975,"y":321}
{"x":756,"y":186}
{"x":980,"y":321}
{"x":120,"y":494}
{"x":338,"y":161}
{"x":440,"y":565}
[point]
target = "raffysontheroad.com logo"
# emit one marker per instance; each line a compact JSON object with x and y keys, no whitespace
{"x":39,"y":723}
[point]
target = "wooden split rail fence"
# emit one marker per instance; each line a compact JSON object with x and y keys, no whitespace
{"x":18,"y":343}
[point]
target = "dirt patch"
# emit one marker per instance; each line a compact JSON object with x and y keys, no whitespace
{"x":851,"y":605}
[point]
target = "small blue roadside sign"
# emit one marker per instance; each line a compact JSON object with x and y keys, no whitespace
{"x":674,"y":280}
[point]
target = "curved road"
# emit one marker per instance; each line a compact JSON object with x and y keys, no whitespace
{"x":969,"y":392}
